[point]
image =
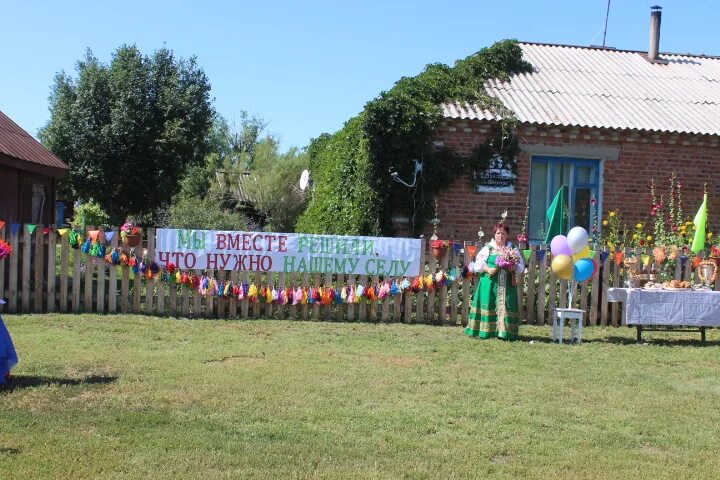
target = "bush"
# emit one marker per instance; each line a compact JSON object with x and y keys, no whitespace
{"x":205,"y":214}
{"x":89,"y":213}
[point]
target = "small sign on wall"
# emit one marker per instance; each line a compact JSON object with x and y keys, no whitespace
{"x":498,"y":178}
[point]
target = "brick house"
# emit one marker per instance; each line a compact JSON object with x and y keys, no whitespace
{"x":28,"y":176}
{"x":601,"y":121}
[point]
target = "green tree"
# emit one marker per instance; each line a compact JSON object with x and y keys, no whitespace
{"x":355,"y":194}
{"x":244,"y":175}
{"x":129,"y":129}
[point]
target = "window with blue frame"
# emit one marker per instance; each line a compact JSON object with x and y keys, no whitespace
{"x":547,"y":175}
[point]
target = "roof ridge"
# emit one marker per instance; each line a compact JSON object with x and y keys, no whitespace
{"x":619,"y":50}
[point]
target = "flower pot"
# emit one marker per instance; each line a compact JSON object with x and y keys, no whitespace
{"x":132,"y":240}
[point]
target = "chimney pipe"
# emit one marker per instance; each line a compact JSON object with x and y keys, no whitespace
{"x":655,"y":16}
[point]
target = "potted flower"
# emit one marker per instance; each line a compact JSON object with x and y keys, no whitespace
{"x":131,"y":234}
{"x":439,"y":248}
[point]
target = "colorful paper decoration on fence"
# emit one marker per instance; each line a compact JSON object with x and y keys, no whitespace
{"x":5,"y":249}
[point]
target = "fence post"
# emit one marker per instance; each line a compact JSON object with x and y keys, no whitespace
{"x":2,"y":270}
{"x":64,"y":252}
{"x":112,"y":286}
{"x":13,"y":277}
{"x":51,"y":274}
{"x":531,"y":289}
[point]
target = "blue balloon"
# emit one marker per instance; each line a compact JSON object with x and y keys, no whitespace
{"x":584,"y":269}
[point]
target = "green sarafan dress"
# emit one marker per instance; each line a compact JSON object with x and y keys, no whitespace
{"x":494,"y":311}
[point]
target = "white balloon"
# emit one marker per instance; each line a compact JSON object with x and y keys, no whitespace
{"x":577,"y":239}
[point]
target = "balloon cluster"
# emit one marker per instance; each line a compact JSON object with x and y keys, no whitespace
{"x":571,"y":256}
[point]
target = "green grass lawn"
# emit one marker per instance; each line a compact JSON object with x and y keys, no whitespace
{"x":141,"y":397}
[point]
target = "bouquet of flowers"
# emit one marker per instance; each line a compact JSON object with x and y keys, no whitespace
{"x":129,"y":228}
{"x":507,"y":258}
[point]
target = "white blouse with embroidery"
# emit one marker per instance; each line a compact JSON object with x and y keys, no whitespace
{"x":482,"y":257}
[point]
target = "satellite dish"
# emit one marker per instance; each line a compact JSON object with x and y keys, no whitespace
{"x":304,"y":180}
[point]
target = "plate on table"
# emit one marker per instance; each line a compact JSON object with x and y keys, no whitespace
{"x":672,"y":289}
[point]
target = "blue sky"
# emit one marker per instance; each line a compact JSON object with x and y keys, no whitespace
{"x":307,"y":67}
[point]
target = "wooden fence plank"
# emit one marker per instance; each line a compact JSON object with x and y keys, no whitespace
{"x":617,"y":273}
{"x":531,"y":288}
{"x":113,"y":275}
{"x":233,"y":298}
{"x":408,"y":295}
{"x":385,"y":310}
{"x":374,"y":303}
{"x":88,"y":279}
{"x":185,"y":292}
{"x":442,"y":307}
{"x":595,"y":294}
{"x":257,"y":307}
{"x":542,"y":280}
{"x":245,"y":304}
{"x":306,"y":286}
{"x":13,"y":274}
{"x":268,"y":305}
{"x":100,"y":262}
{"x":137,"y":280}
{"x":293,"y":284}
{"x":327,"y":309}
{"x":222,"y":303}
{"x":605,"y":282}
{"x":51,"y":274}
{"x":339,"y":313}
{"x":150,"y":283}
{"x":77,"y":275}
{"x":351,"y":306}
{"x":125,"y":287}
{"x":362,"y":306}
{"x":466,"y":285}
{"x":209,"y":301}
{"x":584,"y":295}
{"x":172,"y":297}
{"x":3,"y":262}
{"x":397,"y":302}
{"x":552,"y":297}
{"x":38,"y":269}
{"x":197,"y":298}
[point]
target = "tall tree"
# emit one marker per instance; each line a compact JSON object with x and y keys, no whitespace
{"x":245,"y":174}
{"x":130,"y":129}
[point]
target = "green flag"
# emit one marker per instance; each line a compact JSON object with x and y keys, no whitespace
{"x":555,"y":217}
{"x":700,"y":224}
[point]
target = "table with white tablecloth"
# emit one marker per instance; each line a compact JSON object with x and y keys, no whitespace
{"x":666,"y":308}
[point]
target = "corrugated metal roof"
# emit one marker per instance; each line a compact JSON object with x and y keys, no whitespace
{"x":606,"y":88}
{"x":16,"y":142}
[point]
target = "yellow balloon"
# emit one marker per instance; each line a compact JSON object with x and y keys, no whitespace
{"x":585,"y":253}
{"x":563,"y":266}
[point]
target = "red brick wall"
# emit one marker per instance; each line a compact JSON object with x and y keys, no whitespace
{"x":696,"y":159}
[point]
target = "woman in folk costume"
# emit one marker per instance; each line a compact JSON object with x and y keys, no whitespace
{"x":8,"y":357}
{"x":494,"y":311}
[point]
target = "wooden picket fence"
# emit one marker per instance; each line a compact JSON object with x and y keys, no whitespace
{"x":38,"y":278}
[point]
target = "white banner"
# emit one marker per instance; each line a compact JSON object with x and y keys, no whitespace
{"x":287,"y":252}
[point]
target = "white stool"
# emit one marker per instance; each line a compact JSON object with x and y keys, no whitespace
{"x":574,"y":316}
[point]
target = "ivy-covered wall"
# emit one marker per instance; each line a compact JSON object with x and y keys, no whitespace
{"x":354,"y":193}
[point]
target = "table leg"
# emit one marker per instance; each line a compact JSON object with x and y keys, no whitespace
{"x":562,"y":328}
{"x":702,"y":335}
{"x":639,"y":333}
{"x":580,"y":327}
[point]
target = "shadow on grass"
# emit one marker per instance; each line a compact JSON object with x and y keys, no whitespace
{"x":9,"y":451}
{"x":617,"y":340}
{"x":28,"y":381}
